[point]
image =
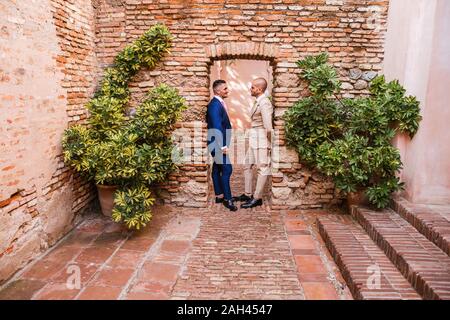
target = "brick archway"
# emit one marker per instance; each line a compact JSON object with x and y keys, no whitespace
{"x":242,"y":50}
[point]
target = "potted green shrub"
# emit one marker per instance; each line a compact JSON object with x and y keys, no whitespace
{"x":350,"y":139}
{"x":124,"y":155}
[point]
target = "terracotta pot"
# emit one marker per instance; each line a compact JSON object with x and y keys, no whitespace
{"x":358,"y":198}
{"x":106,"y":198}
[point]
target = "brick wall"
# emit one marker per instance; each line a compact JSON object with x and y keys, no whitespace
{"x":75,"y":29}
{"x":47,"y":74}
{"x":281,"y":32}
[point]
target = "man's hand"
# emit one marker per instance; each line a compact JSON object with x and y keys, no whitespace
{"x":269,"y":139}
{"x":225,"y":150}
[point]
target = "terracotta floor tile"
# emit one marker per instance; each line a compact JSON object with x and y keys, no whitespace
{"x":169,"y":258}
{"x":152,"y":286}
{"x":56,"y":291}
{"x":295,"y":225}
{"x":87,"y":271}
{"x":293,"y":214}
{"x":112,"y":277}
{"x":21,"y":289}
{"x":64,"y":253}
{"x":175,"y":246}
{"x":185,"y":229}
{"x":319,"y":291}
{"x":305,"y":252}
{"x":310,"y":264}
{"x":301,"y":242}
{"x":146,"y":296}
{"x":100,"y":293}
{"x":79,"y":238}
{"x":159,"y":272}
{"x":126,"y":258}
{"x":95,"y":255}
{"x":110,"y":240}
{"x":138,"y":244}
{"x":44,"y":270}
{"x":113,"y":227}
{"x":96,"y":225}
{"x":147,"y":232}
{"x":313,"y":277}
{"x":298,"y":232}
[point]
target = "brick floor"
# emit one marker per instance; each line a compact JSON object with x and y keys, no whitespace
{"x":243,"y":255}
{"x":187,"y":254}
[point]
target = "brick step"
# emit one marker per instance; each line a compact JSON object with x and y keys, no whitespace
{"x":358,"y":257}
{"x":429,"y":220}
{"x":420,"y":261}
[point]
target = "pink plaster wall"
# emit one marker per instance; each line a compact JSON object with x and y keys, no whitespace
{"x":417,"y":52}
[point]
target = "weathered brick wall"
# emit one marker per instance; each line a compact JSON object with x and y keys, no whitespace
{"x":282,"y":32}
{"x":47,"y":73}
{"x":75,"y":28}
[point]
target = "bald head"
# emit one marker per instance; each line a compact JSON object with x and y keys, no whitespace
{"x":259,"y":86}
{"x":261,"y":83}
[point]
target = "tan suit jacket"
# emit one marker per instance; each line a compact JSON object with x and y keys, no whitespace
{"x":261,"y":124}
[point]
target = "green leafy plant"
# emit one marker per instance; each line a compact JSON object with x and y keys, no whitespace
{"x":350,"y":139}
{"x":130,"y":152}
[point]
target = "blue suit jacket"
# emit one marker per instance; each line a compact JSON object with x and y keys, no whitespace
{"x":217,"y":118}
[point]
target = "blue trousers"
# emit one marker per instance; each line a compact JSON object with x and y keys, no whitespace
{"x":221,"y":174}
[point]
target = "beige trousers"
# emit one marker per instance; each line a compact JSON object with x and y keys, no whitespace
{"x":261,"y":159}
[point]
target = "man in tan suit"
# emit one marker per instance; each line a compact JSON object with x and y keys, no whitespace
{"x":260,"y":142}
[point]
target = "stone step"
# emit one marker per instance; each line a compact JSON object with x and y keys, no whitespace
{"x":359,"y":258}
{"x":420,"y":261}
{"x":431,"y":221}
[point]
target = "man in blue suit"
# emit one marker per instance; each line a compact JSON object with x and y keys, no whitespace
{"x":219,"y":137}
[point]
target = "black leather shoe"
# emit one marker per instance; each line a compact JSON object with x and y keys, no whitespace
{"x":252,"y":204}
{"x":243,"y":198}
{"x":219,"y":200}
{"x":229,"y":204}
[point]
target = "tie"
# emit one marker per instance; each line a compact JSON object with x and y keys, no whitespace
{"x":224,"y":105}
{"x":252,"y":112}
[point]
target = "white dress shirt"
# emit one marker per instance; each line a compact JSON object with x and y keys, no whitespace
{"x":225,"y":107}
{"x":221,"y":101}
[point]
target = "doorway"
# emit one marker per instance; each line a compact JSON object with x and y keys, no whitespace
{"x":239,"y":73}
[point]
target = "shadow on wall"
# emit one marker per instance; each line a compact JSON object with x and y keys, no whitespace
{"x":239,"y":74}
